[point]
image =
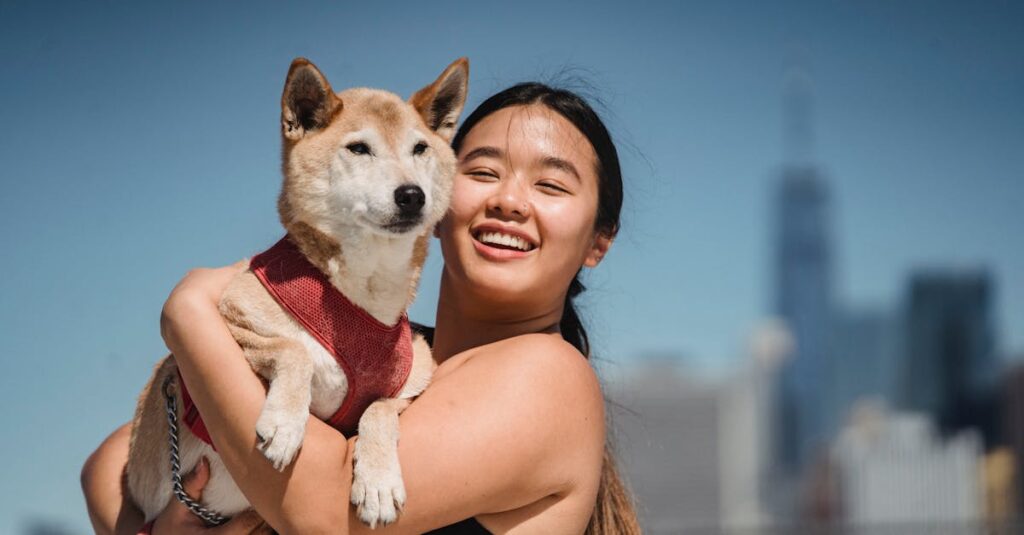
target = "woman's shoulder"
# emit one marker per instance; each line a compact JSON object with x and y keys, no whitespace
{"x":537,"y":362}
{"x":540,"y":371}
{"x":541,"y":374}
{"x":544,"y":354}
{"x":531,"y":406}
{"x":539,"y":353}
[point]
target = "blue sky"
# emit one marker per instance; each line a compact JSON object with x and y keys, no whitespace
{"x":140,"y":140}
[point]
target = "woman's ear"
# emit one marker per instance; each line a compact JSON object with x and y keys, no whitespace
{"x":602,"y":242}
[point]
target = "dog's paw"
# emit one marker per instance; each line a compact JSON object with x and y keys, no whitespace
{"x":279,"y":436}
{"x":377,"y":489}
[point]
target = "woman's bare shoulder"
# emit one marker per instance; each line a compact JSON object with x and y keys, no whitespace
{"x":537,"y":363}
{"x":514,"y":428}
{"x":546,"y":379}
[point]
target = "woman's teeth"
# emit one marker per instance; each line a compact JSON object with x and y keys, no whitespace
{"x":497,"y":238}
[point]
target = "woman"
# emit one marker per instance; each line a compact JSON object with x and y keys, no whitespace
{"x":510,"y":434}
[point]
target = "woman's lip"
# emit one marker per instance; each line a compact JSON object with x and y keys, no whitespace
{"x":495,"y":253}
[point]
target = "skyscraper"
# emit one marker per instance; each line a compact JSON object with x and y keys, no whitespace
{"x":803,"y":282}
{"x":950,"y":363}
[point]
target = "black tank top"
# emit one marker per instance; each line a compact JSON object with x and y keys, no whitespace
{"x":469,"y":526}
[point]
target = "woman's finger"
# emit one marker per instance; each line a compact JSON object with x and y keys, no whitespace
{"x":196,"y":480}
{"x":177,"y":518}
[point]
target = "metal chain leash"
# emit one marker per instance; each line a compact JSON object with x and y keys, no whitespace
{"x":210,"y":517}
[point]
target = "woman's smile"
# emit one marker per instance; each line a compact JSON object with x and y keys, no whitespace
{"x":495,"y":241}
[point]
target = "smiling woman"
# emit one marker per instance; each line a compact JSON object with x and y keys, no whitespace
{"x":510,"y":435}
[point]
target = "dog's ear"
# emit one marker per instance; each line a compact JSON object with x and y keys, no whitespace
{"x":308,"y":102}
{"x":441,"y":102}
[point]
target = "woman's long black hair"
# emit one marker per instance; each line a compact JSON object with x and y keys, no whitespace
{"x":609,"y":175}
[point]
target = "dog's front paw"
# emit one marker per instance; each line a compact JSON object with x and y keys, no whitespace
{"x":279,"y":435}
{"x":377,"y":489}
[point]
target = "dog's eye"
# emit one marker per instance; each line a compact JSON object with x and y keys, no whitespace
{"x":420,"y":148}
{"x":358,"y":148}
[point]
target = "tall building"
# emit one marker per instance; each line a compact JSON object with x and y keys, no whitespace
{"x":803,"y":284}
{"x":950,"y":363}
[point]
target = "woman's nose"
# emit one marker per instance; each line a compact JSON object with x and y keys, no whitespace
{"x":509,"y":200}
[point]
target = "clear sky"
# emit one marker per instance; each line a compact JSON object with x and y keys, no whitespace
{"x":140,"y":139}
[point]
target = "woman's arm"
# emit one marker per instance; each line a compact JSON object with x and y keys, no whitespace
{"x":230,"y":397}
{"x":515,"y":424}
{"x":109,"y":510}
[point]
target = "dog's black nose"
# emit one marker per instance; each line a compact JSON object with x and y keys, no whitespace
{"x":409,"y":199}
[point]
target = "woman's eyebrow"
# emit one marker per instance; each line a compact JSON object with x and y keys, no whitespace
{"x":483,"y":152}
{"x":561,"y":165}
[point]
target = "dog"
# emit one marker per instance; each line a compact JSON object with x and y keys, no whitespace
{"x":366,"y":177}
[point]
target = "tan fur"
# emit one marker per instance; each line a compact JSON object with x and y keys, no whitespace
{"x":335,"y":206}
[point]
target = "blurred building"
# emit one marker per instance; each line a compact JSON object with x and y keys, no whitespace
{"x":804,"y":301}
{"x":999,"y":489}
{"x":950,"y":365}
{"x":863,"y":348}
{"x":43,"y":526}
{"x":667,"y":439}
{"x":1013,"y":427}
{"x":895,"y":470}
{"x":802,"y":281}
{"x":748,"y":492}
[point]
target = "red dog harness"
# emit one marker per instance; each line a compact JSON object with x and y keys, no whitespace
{"x":376,"y":358}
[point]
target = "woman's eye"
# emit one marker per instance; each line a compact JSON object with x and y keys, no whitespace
{"x":420,"y":148}
{"x":358,"y":148}
{"x":483,"y":174}
{"x":553,"y":187}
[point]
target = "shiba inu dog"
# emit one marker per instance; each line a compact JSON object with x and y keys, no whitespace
{"x":366,"y":177}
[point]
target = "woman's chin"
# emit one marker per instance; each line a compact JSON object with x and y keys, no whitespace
{"x":500,"y":286}
{"x":501,"y":295}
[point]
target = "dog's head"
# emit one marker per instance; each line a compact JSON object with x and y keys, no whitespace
{"x":364,"y":160}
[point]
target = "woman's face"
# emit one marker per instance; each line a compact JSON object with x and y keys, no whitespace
{"x":522,"y":215}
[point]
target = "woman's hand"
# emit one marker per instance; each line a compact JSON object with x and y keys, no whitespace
{"x":177,"y":519}
{"x":113,"y":513}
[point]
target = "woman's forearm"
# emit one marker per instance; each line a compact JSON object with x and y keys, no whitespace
{"x":109,"y":511}
{"x":309,"y":496}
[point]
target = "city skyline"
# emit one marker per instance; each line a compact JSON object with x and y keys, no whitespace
{"x":144,"y":143}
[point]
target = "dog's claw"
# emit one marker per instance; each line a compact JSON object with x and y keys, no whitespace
{"x":280,"y":436}
{"x":377,"y":488}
